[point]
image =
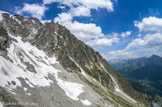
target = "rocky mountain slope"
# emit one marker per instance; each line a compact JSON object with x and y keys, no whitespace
{"x":44,"y":65}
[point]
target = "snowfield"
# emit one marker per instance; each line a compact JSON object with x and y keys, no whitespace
{"x":1,"y":18}
{"x":1,"y":105}
{"x":21,"y":53}
{"x":72,"y":90}
{"x":86,"y":102}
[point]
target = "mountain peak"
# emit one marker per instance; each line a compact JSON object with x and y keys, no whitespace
{"x":154,"y":56}
{"x":49,"y":56}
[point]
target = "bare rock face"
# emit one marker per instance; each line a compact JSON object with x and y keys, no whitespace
{"x":4,"y":39}
{"x":45,"y":65}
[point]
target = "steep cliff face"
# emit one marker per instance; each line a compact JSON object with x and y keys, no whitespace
{"x":46,"y":65}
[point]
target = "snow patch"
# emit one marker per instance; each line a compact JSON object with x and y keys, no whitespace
{"x":28,"y":94}
{"x":13,"y":73}
{"x":20,"y":53}
{"x":56,"y":33}
{"x":33,"y":21}
{"x":3,"y":12}
{"x":86,"y":102}
{"x":8,"y":74}
{"x":25,"y":19}
{"x":25,"y":89}
{"x":72,"y":90}
{"x":13,"y":17}
{"x":82,"y":71}
{"x":1,"y":18}
{"x":17,"y":52}
{"x":117,"y":89}
{"x":1,"y":105}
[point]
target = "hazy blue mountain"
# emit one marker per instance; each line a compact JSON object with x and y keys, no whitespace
{"x":144,"y":74}
{"x":125,"y":67}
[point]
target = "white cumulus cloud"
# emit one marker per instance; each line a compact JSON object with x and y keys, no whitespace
{"x":35,"y":10}
{"x":125,"y":34}
{"x":63,"y":18}
{"x":150,"y":24}
{"x":91,"y":4}
{"x":146,"y":46}
{"x":80,"y":11}
{"x":104,"y":41}
{"x":89,"y":33}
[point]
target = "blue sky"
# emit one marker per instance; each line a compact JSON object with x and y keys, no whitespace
{"x":115,"y":28}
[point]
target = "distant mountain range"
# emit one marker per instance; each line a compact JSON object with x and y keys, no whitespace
{"x":132,"y":66}
{"x":144,"y":74}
